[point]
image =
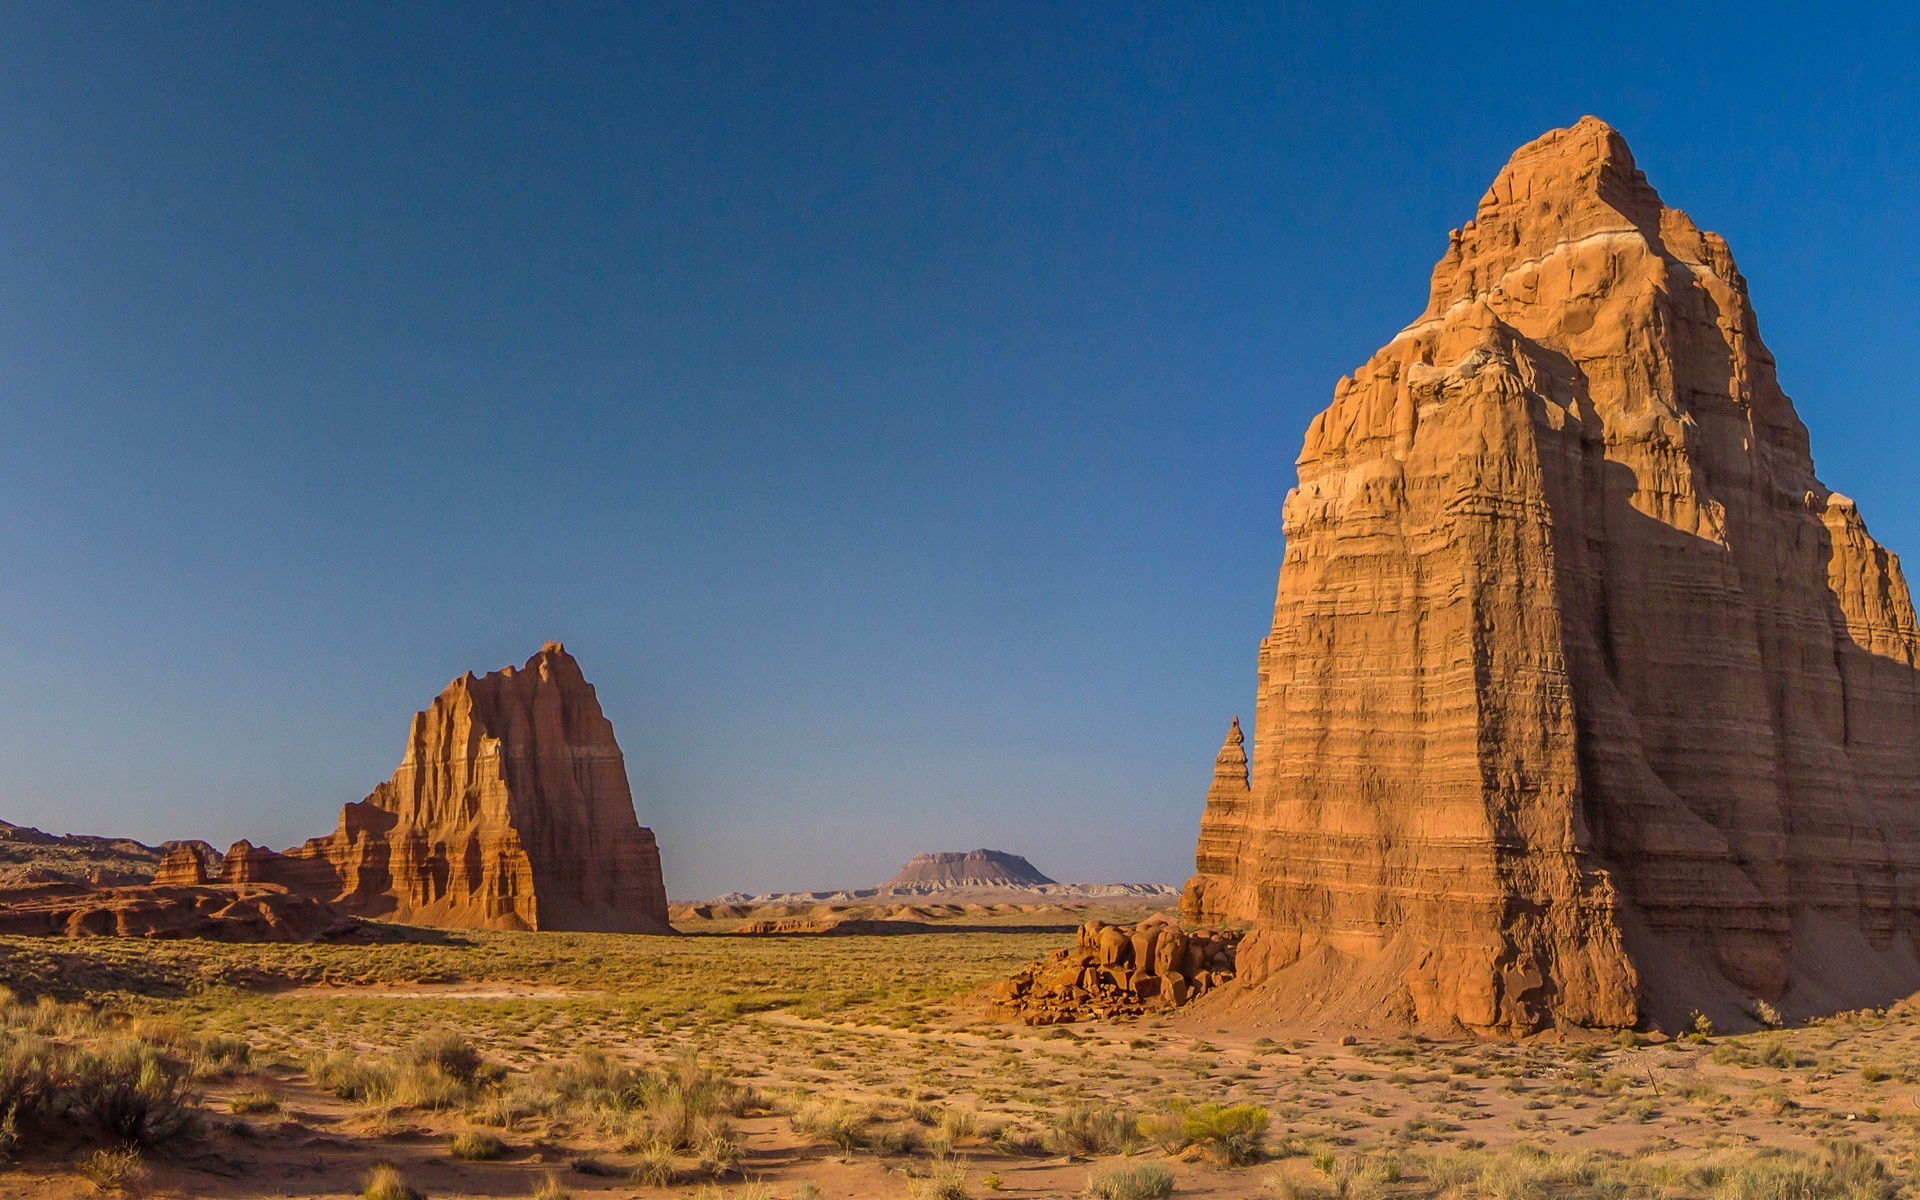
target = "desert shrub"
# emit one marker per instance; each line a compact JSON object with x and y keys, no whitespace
{"x":833,"y":1122}
{"x":387,"y":1183}
{"x":219,"y":1055}
{"x":1131,"y":1181}
{"x":131,"y":1093}
{"x":1015,"y":1139}
{"x":1085,"y":1130}
{"x":1779,"y":1055}
{"x":30,"y":1075}
{"x":348,"y":1077}
{"x":252,"y":1102}
{"x":720,"y":1150}
{"x":1842,"y":1171}
{"x":946,"y":1182}
{"x":476,"y":1146}
{"x":1232,"y":1134}
{"x":164,"y":1034}
{"x":958,"y":1124}
{"x":1282,"y":1186}
{"x":655,"y":1167}
{"x":682,"y":1107}
{"x":448,"y":1053}
{"x":594,"y":1082}
{"x":114,"y":1170}
{"x":552,"y":1189}
{"x":922,"y":1113}
{"x":437,"y":1072}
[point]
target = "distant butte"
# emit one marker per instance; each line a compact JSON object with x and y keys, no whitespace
{"x":1585,"y":702}
{"x":973,"y":869}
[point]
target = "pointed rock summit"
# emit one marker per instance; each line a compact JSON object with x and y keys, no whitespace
{"x":1586,"y":702}
{"x":510,"y":810}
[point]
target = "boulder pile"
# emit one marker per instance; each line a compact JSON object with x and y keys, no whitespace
{"x":1116,"y":971}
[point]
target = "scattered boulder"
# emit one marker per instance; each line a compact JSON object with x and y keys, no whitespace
{"x":1119,"y":971}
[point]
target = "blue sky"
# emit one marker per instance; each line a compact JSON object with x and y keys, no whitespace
{"x":890,"y":405}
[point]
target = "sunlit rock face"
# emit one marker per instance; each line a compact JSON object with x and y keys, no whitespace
{"x":511,"y":810}
{"x":1585,"y":701}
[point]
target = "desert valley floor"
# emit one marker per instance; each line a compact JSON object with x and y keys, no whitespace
{"x":715,"y":1065}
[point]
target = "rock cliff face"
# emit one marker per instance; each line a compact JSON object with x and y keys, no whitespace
{"x":511,"y":810}
{"x":974,"y":869}
{"x":1585,"y":701}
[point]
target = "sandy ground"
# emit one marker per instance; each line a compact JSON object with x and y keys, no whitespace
{"x":1394,"y":1096}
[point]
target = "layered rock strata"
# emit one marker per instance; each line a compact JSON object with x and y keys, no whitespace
{"x":510,"y":810}
{"x":1585,"y":701}
{"x":226,"y":914}
{"x":973,"y":869}
{"x":1117,"y":971}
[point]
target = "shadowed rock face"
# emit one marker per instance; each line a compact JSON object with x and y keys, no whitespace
{"x":1585,"y":701}
{"x":511,"y":810}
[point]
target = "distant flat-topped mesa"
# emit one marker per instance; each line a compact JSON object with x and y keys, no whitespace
{"x":973,"y":869}
{"x":511,"y":810}
{"x":1585,"y":702}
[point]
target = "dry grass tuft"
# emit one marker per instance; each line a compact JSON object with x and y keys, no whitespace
{"x":475,"y":1146}
{"x":114,"y":1170}
{"x":387,"y":1183}
{"x":1131,"y":1181}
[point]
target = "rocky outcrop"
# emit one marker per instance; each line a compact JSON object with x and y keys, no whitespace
{"x":973,"y":869}
{"x":28,"y":855}
{"x":226,"y":914}
{"x":510,"y":810}
{"x":188,"y":864}
{"x":1585,"y":701}
{"x":1116,"y":971}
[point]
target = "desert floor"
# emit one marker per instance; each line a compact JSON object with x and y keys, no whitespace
{"x":713,"y":1066}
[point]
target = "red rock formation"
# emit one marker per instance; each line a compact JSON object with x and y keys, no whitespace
{"x":1585,"y":701}
{"x":188,"y":864}
{"x":511,"y":810}
{"x":1116,"y":971}
{"x":227,"y":914}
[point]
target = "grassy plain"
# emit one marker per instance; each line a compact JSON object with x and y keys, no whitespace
{"x":751,"y":1068}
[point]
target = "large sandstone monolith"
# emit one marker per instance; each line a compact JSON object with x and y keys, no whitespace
{"x":511,"y":810}
{"x":1585,"y":701}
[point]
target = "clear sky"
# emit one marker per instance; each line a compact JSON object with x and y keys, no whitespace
{"x":891,"y":405}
